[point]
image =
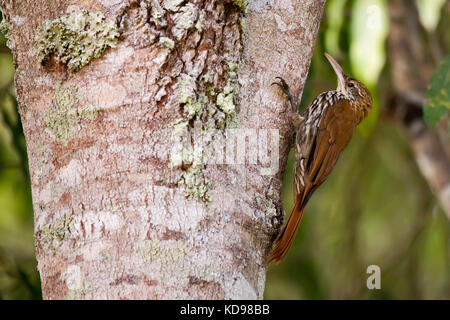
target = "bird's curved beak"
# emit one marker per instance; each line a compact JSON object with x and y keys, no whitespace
{"x":339,"y":72}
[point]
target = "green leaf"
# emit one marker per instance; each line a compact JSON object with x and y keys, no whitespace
{"x":437,"y":99}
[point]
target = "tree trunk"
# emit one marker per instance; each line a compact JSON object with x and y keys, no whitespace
{"x":132,"y":111}
{"x":412,"y":64}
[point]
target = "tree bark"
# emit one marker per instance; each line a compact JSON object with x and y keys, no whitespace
{"x":119,"y":211}
{"x":412,"y":64}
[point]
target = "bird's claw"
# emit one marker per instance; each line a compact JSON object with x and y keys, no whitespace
{"x":284,"y":86}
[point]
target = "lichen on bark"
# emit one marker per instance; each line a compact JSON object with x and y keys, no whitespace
{"x":54,"y":233}
{"x":242,"y":4}
{"x":166,"y":42}
{"x":64,"y":114}
{"x":76,"y":38}
{"x":206,"y":93}
{"x":79,"y":292}
{"x":226,"y":99}
{"x":162,"y":252}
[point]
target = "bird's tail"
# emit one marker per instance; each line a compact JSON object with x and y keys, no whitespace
{"x":286,"y":237}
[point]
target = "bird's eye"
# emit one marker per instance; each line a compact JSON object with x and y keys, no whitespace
{"x":350,"y":84}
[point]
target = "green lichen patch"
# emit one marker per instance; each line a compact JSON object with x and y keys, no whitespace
{"x":52,"y":234}
{"x":75,"y":39}
{"x":187,"y":16}
{"x":241,"y":4}
{"x":164,"y":252}
{"x":185,"y":88}
{"x":244,"y":27}
{"x":192,"y":179}
{"x":79,"y":292}
{"x":197,"y":186}
{"x":207,"y":98}
{"x":158,"y":14}
{"x":195,"y":106}
{"x":225,"y":100}
{"x":64,"y":114}
{"x":166,"y":43}
{"x":266,"y":205}
{"x":193,"y":159}
{"x":205,"y":111}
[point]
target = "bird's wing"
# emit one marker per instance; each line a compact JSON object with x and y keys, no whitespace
{"x":304,"y":143}
{"x":306,"y":138}
{"x":335,"y":131}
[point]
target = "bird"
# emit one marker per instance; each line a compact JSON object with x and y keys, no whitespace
{"x":323,"y":131}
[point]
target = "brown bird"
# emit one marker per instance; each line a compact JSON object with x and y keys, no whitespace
{"x":322,"y":133}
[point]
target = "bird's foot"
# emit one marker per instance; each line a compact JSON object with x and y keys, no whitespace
{"x":284,"y":86}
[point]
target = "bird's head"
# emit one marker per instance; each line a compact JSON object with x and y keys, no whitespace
{"x":356,"y":92}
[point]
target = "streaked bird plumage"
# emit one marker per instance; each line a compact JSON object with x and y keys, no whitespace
{"x":322,"y":133}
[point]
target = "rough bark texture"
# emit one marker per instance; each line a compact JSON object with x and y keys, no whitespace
{"x":115,"y":215}
{"x":412,"y":63}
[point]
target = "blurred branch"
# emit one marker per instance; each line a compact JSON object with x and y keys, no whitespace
{"x":412,"y":64}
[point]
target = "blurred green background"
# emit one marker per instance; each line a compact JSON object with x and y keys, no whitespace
{"x":374,"y":209}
